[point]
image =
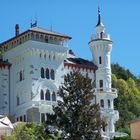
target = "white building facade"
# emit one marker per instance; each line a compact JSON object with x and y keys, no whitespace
{"x":33,"y":67}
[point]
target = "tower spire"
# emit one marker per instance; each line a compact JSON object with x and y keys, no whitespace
{"x":99,"y":17}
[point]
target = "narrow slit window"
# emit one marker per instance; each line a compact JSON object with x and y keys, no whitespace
{"x":102,"y":103}
{"x":100,"y":60}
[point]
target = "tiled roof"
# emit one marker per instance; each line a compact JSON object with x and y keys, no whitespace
{"x":4,"y":63}
{"x":81,"y":61}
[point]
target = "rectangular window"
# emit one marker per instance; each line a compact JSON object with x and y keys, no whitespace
{"x":100,"y":60}
{"x":101,"y":85}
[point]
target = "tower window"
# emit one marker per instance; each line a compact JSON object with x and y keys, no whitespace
{"x":20,"y":76}
{"x":42,"y":73}
{"x":47,"y":96}
{"x":102,"y":103}
{"x":100,"y":60}
{"x":108,"y":101}
{"x":18,"y":101}
{"x":42,"y":95}
{"x":101,"y":84}
{"x":101,"y":35}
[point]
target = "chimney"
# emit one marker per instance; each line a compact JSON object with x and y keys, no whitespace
{"x":16,"y":29}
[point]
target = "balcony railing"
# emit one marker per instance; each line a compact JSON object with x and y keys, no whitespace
{"x":113,"y":134}
{"x":103,"y":36}
{"x":35,"y":104}
{"x":106,"y":90}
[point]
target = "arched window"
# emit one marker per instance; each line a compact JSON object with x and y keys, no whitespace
{"x":42,"y":95}
{"x":42,"y":117}
{"x":45,"y":56}
{"x":52,"y":74}
{"x":108,"y":102}
{"x":21,"y":118}
{"x":37,"y":36}
{"x":42,"y":73}
{"x":49,"y":56}
{"x":102,"y":103}
{"x":103,"y":125}
{"x":101,"y":35}
{"x":47,"y":96}
{"x":54,"y":57}
{"x":53,"y":96}
{"x":46,"y":39}
{"x":41,"y":38}
{"x":100,"y":60}
{"x":47,"y":74}
{"x":24,"y":118}
{"x":32,"y":36}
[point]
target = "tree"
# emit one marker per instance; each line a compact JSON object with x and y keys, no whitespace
{"x":28,"y":131}
{"x":76,"y":115}
{"x":127,"y":103}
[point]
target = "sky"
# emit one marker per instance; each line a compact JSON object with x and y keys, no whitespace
{"x":78,"y":18}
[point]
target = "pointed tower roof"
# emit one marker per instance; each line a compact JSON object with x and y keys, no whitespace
{"x":99,"y":18}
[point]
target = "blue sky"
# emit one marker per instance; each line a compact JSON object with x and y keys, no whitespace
{"x":78,"y":18}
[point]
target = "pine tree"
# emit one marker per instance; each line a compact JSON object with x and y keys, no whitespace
{"x":75,"y":114}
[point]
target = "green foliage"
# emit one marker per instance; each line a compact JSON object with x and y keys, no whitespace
{"x":128,"y":101}
{"x":75,"y":115}
{"x":28,"y":131}
{"x":121,"y":73}
{"x":123,"y":138}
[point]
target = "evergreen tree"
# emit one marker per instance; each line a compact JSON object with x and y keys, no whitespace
{"x":75,"y":115}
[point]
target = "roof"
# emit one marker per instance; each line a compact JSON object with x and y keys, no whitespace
{"x":80,"y":63}
{"x":41,"y":30}
{"x":4,"y":63}
{"x":5,"y":122}
{"x":135,"y":120}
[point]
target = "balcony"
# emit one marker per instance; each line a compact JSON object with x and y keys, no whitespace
{"x":106,"y":112}
{"x":103,"y":91}
{"x":100,"y":36}
{"x":36,"y":104}
{"x":110,"y":135}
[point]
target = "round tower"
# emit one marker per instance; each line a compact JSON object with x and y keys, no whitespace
{"x":101,"y":46}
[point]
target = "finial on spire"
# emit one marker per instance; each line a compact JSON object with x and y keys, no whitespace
{"x":99,"y":17}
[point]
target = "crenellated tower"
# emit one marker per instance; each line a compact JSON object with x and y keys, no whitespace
{"x":101,"y":46}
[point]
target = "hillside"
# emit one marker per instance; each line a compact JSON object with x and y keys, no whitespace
{"x":128,"y":101}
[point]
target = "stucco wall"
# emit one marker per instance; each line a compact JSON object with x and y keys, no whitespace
{"x":135,"y":130}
